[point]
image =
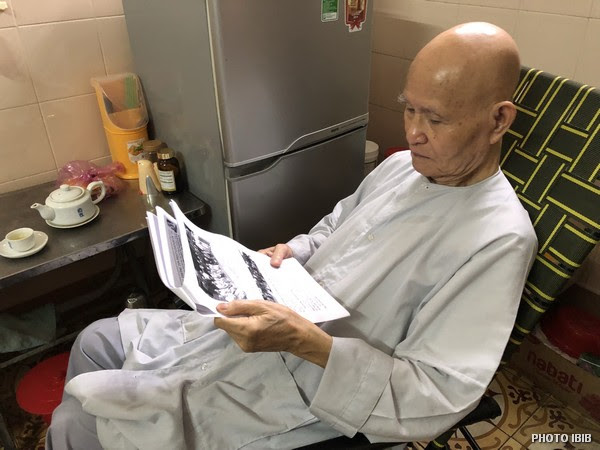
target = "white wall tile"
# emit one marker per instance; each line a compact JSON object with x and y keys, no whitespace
{"x":588,"y":66}
{"x":504,"y":18}
{"x":63,"y":57}
{"x":115,"y":45}
{"x":388,"y":76}
{"x":428,"y":12}
{"x":510,"y":4}
{"x":84,"y":141}
{"x":579,"y":8}
{"x":35,"y":11}
{"x":595,"y":9}
{"x":549,"y":41}
{"x":103,"y":161}
{"x":22,"y":132}
{"x":15,"y":82}
{"x":399,"y":37}
{"x":22,"y":183}
{"x":386,"y":6}
{"x":386,"y":128}
{"x":107,"y":7}
{"x":7,"y":17}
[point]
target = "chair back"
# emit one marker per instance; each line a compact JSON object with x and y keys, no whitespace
{"x":551,"y":156}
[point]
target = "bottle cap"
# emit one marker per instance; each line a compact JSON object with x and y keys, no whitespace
{"x":164,"y":153}
{"x":153,"y":145}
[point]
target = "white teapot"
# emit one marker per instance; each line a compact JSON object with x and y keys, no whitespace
{"x":71,"y":206}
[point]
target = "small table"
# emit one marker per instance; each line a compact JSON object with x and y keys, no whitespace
{"x":122,"y":219}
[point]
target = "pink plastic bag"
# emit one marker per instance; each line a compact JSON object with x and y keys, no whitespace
{"x":82,"y":173}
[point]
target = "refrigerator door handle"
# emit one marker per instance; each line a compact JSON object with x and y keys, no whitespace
{"x":266,"y":164}
{"x":308,"y":139}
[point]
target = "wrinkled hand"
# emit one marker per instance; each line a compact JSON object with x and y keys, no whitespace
{"x":261,"y":326}
{"x":277,"y":253}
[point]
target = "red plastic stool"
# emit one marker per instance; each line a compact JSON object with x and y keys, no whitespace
{"x":40,"y":391}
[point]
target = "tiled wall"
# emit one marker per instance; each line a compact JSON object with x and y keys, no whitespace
{"x":559,"y":36}
{"x":49,"y":50}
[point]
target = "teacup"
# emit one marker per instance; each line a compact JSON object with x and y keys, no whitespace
{"x":21,"y":239}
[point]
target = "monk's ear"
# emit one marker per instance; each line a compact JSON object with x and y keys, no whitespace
{"x":503,"y":115}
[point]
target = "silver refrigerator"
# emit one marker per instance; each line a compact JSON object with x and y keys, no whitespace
{"x":264,"y":101}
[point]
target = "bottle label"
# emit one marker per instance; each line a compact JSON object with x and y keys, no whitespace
{"x":135,"y":149}
{"x":167,"y":180}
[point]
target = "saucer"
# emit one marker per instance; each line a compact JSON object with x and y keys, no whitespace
{"x":77,"y":224}
{"x":41,"y":239}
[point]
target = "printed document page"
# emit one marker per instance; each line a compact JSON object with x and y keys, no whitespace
{"x":164,"y":263}
{"x":207,"y":268}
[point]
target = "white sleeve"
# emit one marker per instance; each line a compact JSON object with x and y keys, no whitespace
{"x":437,"y":374}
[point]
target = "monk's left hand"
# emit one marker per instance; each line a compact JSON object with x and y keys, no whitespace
{"x":262,"y":326}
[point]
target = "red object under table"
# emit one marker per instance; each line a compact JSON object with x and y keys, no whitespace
{"x":40,"y":391}
{"x":573,"y":330}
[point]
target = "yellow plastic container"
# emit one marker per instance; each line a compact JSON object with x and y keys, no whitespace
{"x":125,"y":118}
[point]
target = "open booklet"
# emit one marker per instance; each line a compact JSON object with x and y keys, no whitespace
{"x":205,"y":269}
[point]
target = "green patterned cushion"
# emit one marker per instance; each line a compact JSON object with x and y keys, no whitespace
{"x":551,"y":155}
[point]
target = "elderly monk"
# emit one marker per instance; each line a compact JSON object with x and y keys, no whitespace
{"x":429,"y":255}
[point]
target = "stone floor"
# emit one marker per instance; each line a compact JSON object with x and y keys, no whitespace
{"x":526,"y":409}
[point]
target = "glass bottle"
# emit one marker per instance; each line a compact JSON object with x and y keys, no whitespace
{"x":151,"y":149}
{"x":169,"y":171}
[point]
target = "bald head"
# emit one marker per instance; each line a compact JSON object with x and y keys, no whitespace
{"x":477,"y":61}
{"x":458,"y":107}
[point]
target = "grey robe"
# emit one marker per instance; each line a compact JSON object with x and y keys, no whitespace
{"x":432,"y":277}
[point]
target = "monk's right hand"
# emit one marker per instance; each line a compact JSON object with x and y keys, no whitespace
{"x":277,"y":253}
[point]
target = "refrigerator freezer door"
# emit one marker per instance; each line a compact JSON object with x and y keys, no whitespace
{"x":286,"y":79}
{"x":170,"y":42}
{"x":294,"y":193}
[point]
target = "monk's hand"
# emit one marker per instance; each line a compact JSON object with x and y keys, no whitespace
{"x":261,"y":326}
{"x":277,"y":253}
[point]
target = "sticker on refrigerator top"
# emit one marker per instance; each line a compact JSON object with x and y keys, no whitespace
{"x":356,"y":14}
{"x":135,"y":149}
{"x":329,"y":10}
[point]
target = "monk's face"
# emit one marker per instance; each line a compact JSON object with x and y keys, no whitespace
{"x":447,"y":124}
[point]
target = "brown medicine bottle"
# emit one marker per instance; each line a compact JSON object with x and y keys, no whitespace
{"x":169,"y":172}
